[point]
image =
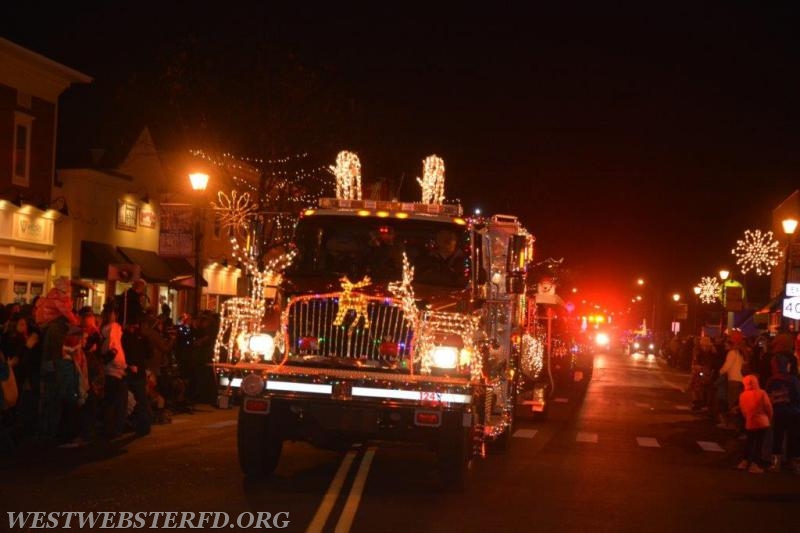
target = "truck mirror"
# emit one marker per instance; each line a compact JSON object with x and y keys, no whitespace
{"x":515,"y":261}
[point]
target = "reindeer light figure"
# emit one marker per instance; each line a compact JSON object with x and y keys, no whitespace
{"x":348,"y":176}
{"x":348,"y":301}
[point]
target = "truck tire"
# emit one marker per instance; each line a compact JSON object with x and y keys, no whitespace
{"x":258,"y":444}
{"x":455,"y":459}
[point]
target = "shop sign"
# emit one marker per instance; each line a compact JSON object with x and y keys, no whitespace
{"x":147,"y":217}
{"x":176,"y":234}
{"x":29,"y":229}
{"x":126,"y":215}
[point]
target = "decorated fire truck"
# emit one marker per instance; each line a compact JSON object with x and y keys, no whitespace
{"x":394,"y":322}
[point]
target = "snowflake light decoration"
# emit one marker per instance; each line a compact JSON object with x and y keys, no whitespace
{"x":709,"y":289}
{"x":757,"y":251}
{"x":234,"y":211}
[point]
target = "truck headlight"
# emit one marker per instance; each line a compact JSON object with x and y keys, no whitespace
{"x":444,"y":356}
{"x":252,"y":384}
{"x":262,"y":344}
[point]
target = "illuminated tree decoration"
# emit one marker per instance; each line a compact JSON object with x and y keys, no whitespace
{"x":242,"y":317}
{"x":757,"y":251}
{"x":234,"y":211}
{"x":709,"y":289}
{"x":432,"y":181}
{"x":348,"y":176}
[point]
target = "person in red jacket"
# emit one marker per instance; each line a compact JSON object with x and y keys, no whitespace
{"x":757,"y":411}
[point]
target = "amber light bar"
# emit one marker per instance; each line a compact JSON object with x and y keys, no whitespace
{"x":383,"y":205}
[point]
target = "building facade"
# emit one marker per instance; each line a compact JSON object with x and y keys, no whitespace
{"x":30,"y":86}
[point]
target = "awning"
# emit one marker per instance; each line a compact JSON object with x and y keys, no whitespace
{"x":179,"y":266}
{"x":154,"y":268}
{"x":95,"y":258}
{"x":186,"y":282}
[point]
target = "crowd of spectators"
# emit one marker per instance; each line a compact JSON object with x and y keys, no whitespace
{"x":70,"y":377}
{"x":747,"y":385}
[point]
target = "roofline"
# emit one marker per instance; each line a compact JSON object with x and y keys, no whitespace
{"x":52,"y":67}
{"x":795,"y":192}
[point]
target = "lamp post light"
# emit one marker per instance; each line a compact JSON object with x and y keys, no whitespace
{"x":697,"y":290}
{"x":676,"y":297}
{"x":789,"y":225}
{"x":199,"y":183}
{"x":723,"y":275}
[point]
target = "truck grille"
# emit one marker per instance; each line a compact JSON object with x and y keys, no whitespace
{"x":387,"y":340}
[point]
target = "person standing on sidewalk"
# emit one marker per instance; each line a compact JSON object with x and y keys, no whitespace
{"x":732,"y":370}
{"x":757,"y":411}
{"x":783,"y":388}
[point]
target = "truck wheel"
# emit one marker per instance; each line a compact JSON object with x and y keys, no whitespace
{"x":259,"y":445}
{"x":455,"y":459}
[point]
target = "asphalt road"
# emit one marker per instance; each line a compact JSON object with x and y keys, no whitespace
{"x":624,"y":454}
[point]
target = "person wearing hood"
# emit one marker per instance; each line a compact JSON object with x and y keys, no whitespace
{"x":783,"y":388}
{"x":54,"y":316}
{"x":757,"y":411}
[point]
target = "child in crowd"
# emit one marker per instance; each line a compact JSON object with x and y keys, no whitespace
{"x":757,"y":411}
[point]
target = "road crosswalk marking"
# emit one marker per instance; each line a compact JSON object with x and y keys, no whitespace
{"x":561,"y":400}
{"x":525,"y":433}
{"x":641,"y":404}
{"x":709,"y":446}
{"x":586,"y":437}
{"x":648,"y":442}
{"x":224,"y":423}
{"x":682,"y":407}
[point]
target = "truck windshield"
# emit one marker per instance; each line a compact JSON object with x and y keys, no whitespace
{"x":357,"y":247}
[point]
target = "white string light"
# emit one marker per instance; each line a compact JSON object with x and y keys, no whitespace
{"x":348,"y":176}
{"x":710,"y":289}
{"x":432,"y":181}
{"x":757,"y":251}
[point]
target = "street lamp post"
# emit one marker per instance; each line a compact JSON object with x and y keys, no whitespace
{"x":199,"y":183}
{"x":697,"y":290}
{"x":723,"y":275}
{"x":789,"y":225}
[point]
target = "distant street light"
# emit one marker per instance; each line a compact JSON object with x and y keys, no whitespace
{"x":697,"y":290}
{"x":676,"y":297}
{"x":199,"y":183}
{"x":640,"y":281}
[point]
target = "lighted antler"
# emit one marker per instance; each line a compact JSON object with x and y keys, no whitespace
{"x":348,"y":176}
{"x":432,"y":181}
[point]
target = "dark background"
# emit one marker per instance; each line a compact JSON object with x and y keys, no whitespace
{"x":631,"y":140}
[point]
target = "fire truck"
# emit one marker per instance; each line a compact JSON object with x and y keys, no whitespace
{"x":403,"y":322}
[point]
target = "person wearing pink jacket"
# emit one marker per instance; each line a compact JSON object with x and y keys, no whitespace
{"x":757,"y":411}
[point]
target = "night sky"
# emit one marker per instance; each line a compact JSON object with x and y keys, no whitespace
{"x":631,"y":141}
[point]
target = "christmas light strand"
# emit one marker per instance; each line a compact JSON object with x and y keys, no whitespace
{"x":427,"y":325}
{"x":757,"y":251}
